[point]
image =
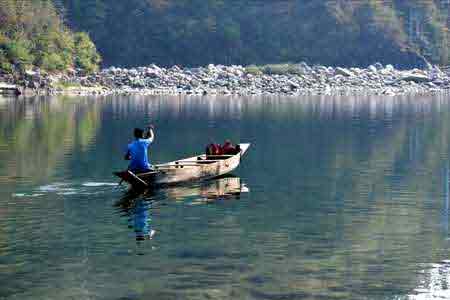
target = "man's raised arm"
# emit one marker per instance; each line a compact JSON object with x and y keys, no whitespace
{"x":150,"y":134}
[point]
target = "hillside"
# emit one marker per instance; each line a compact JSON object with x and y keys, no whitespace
{"x":198,"y":32}
{"x":50,"y":34}
{"x":32,"y":34}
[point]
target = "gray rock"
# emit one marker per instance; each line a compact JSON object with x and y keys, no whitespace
{"x":414,"y":77}
{"x":133,"y":72}
{"x":372,"y":69}
{"x":302,"y":68}
{"x":30,"y":73}
{"x":320,"y":69}
{"x":34,"y":85}
{"x":387,"y":71}
{"x":439,"y":82}
{"x":378,"y":66}
{"x":6,"y":88}
{"x":218,"y":79}
{"x":293,"y":85}
{"x":343,"y":72}
{"x":152,"y":73}
{"x":154,"y":67}
{"x":357,"y":71}
{"x":303,"y":65}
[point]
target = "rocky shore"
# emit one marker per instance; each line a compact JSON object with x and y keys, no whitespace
{"x":293,"y":79}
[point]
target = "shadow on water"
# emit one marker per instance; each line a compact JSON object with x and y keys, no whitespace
{"x":137,"y":206}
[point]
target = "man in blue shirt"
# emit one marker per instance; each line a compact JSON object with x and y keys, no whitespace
{"x":137,"y":150}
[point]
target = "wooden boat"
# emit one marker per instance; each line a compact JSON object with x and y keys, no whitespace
{"x":198,"y":167}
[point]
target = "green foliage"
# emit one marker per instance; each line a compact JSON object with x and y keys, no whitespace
{"x":18,"y":50}
{"x":198,"y":32}
{"x":273,"y":69}
{"x":5,"y":65}
{"x":86,"y":56}
{"x":32,"y":34}
{"x":254,"y":70}
{"x":278,"y":69}
{"x":54,"y":50}
{"x":53,"y":62}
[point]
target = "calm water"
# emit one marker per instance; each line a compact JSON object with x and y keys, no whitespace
{"x":338,"y":198}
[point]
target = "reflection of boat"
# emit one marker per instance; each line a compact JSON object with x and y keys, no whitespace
{"x":199,"y":167}
{"x":137,"y":207}
{"x":221,"y":188}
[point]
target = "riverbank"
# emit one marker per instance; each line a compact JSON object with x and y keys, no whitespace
{"x":293,"y":79}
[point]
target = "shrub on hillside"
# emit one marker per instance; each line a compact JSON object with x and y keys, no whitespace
{"x":5,"y":65}
{"x":32,"y":34}
{"x":18,"y":50}
{"x":53,"y":62}
{"x":86,"y":55}
{"x":54,"y":50}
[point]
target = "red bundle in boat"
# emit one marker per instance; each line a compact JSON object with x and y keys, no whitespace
{"x":214,"y":149}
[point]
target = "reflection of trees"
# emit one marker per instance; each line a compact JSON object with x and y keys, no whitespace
{"x":37,"y":135}
{"x":346,"y":193}
{"x":366,"y":171}
{"x":382,"y":176}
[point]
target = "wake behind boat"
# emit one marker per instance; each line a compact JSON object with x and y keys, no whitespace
{"x":198,"y":167}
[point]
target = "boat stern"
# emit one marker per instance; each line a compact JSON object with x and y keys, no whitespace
{"x":244,"y":147}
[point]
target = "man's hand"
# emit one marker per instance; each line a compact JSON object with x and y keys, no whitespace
{"x":149,"y":134}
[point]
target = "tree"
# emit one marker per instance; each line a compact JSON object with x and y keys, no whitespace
{"x":33,"y":34}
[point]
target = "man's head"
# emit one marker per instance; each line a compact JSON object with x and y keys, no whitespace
{"x":138,"y":133}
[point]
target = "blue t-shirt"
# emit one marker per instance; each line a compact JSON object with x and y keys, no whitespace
{"x":139,"y":155}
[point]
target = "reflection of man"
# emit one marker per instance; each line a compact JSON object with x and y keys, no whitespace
{"x":137,"y":150}
{"x":141,"y":221}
